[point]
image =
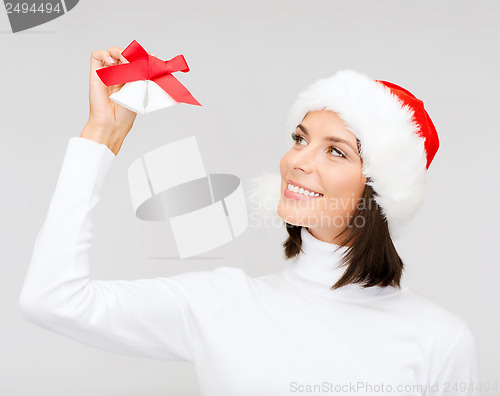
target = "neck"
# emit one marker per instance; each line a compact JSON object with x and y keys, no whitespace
{"x":325,"y":235}
{"x":318,"y":268}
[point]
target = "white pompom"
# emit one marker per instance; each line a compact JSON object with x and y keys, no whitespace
{"x":264,"y":194}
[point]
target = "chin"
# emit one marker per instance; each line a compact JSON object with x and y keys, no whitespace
{"x":292,"y":216}
{"x":291,"y":220}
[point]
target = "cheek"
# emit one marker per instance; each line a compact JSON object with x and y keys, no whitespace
{"x":345,"y":188}
{"x":341,"y":182}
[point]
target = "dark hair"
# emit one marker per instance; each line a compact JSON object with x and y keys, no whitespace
{"x":372,"y":258}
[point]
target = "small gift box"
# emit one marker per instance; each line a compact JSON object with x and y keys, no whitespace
{"x":149,"y":83}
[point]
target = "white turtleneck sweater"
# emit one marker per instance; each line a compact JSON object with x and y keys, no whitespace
{"x":279,"y":334}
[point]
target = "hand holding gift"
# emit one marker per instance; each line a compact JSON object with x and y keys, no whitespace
{"x":120,"y":81}
{"x":108,"y":122}
{"x":147,"y":77}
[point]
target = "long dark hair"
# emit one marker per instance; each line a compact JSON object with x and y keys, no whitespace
{"x":371,"y":257}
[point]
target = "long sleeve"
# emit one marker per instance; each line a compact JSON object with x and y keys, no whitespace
{"x":146,"y":317}
{"x":459,"y":374}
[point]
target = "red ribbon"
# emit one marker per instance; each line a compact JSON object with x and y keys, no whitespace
{"x":143,"y":66}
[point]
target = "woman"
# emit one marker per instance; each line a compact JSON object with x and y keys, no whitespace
{"x":336,"y":320}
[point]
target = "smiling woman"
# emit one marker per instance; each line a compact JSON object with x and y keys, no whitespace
{"x":343,"y":210}
{"x":332,"y":170}
{"x":365,"y":144}
{"x":288,"y":330}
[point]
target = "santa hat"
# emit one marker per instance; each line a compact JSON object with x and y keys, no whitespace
{"x":398,"y":141}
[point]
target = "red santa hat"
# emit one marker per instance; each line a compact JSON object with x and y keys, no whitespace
{"x":398,"y":140}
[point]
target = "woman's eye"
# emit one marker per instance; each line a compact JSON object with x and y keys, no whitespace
{"x":297,"y":139}
{"x":337,"y":150}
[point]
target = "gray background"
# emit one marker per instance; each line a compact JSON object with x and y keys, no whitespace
{"x":248,"y":61}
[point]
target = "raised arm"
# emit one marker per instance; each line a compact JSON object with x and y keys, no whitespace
{"x":147,"y":317}
{"x":157,"y":318}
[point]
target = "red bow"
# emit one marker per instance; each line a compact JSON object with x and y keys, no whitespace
{"x":143,"y":66}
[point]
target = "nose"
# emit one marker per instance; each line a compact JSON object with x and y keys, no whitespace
{"x":303,"y":160}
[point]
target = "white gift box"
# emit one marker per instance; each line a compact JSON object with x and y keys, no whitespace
{"x":143,"y":96}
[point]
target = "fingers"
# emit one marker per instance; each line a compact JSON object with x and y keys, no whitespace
{"x":111,"y":56}
{"x":116,"y":53}
{"x":100,"y":59}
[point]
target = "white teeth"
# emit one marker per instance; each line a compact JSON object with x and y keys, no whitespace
{"x":302,"y":191}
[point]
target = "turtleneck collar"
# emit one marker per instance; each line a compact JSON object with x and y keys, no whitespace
{"x":318,"y":268}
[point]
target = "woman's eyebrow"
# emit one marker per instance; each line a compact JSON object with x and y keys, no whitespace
{"x":330,"y":138}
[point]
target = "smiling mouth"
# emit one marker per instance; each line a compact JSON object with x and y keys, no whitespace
{"x":300,"y":191}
